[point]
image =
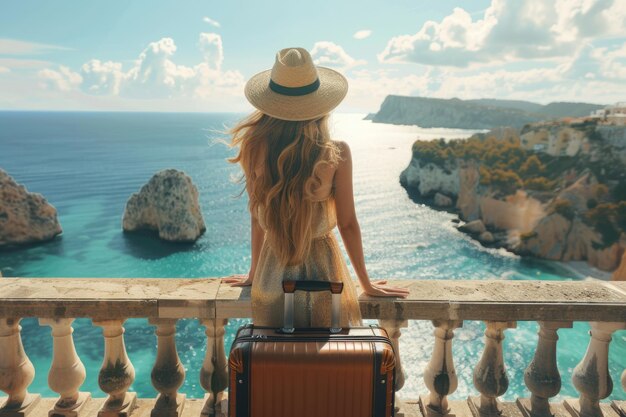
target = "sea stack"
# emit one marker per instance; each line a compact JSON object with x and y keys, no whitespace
{"x":24,"y":217}
{"x":168,"y":204}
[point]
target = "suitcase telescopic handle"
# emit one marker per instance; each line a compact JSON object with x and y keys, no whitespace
{"x":291,"y":286}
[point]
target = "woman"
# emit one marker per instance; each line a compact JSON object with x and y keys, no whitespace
{"x":299,"y":184}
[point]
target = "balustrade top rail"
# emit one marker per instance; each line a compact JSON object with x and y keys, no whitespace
{"x":493,"y":300}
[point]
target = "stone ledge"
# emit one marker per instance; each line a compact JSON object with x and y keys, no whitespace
{"x":495,"y":300}
{"x":108,"y":297}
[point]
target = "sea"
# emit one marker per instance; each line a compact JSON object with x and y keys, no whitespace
{"x":87,"y":164}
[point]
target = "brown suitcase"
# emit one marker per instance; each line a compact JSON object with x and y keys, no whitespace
{"x":311,"y":372}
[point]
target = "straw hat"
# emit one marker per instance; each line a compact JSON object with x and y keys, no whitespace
{"x":295,"y":89}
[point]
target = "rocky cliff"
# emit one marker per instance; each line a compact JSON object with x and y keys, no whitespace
{"x":428,"y":179}
{"x":559,"y":208}
{"x":472,"y":114}
{"x":24,"y":217}
{"x":620,"y":273}
{"x":567,"y":234}
{"x":168,"y":204}
{"x":615,"y":137}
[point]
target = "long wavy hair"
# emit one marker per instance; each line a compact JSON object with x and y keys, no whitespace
{"x":281,"y":161}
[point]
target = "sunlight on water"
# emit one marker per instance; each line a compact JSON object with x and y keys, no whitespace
{"x":88,"y":164}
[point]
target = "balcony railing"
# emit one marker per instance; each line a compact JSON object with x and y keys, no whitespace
{"x":56,"y":302}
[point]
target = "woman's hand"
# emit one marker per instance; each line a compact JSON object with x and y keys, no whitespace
{"x":380,"y":289}
{"x":238,"y":280}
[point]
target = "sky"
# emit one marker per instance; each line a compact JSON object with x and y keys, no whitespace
{"x":192,"y":55}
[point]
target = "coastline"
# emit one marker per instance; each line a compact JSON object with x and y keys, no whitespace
{"x":559,"y":205}
{"x":580,"y":269}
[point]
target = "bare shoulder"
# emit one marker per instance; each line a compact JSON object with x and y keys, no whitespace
{"x":344,"y":150}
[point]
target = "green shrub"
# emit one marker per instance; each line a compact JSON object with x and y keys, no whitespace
{"x":506,"y":181}
{"x":435,"y":151}
{"x":539,"y":184}
{"x":532,"y":167}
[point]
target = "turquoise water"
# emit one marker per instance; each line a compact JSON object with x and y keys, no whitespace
{"x":88,"y":164}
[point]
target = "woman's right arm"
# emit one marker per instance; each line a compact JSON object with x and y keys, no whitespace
{"x":257,"y":235}
{"x":350,"y":230}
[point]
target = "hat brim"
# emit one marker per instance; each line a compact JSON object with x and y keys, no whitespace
{"x":332,"y":90}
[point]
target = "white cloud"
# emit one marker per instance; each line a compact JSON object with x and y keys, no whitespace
{"x":611,"y":62}
{"x":154,"y":74}
{"x":4,"y":69}
{"x":210,"y":21}
{"x":102,"y":77}
{"x":210,"y":83}
{"x":509,"y":31}
{"x":329,"y":54}
{"x":592,"y":75}
{"x":485,"y":84}
{"x":23,"y":64}
{"x":18,"y":47}
{"x":362,"y":34}
{"x":211,"y":48}
{"x":63,"y":80}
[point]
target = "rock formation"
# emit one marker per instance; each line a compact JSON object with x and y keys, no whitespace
{"x":169,"y":204}
{"x":615,"y":136}
{"x":24,"y":217}
{"x":620,"y":273}
{"x":471,"y":114}
{"x":476,"y":227}
{"x":513,"y":212}
{"x":548,"y":238}
{"x":468,"y":202}
{"x":533,"y":204}
{"x":486,"y":237}
{"x":442,"y":200}
{"x":429,"y":179}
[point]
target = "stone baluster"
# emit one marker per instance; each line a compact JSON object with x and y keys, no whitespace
{"x":117,"y":372}
{"x":16,"y":371}
{"x":214,"y":372}
{"x":439,"y":376}
{"x":168,"y":373}
{"x":67,"y":372}
{"x":591,"y":376}
{"x":393,"y":330}
{"x":542,"y":374}
{"x":490,"y":377}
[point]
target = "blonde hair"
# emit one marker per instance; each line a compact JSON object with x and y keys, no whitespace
{"x":293,"y":152}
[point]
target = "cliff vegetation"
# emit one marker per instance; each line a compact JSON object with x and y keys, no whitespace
{"x":563,"y":200}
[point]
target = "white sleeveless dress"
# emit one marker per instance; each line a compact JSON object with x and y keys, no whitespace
{"x":324,"y":262}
